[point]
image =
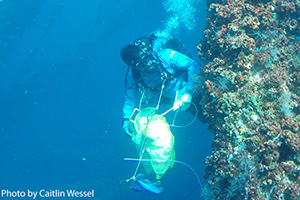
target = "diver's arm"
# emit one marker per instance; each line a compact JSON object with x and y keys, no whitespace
{"x":129,"y":105}
{"x":193,"y":70}
{"x":178,"y":61}
{"x":130,"y":97}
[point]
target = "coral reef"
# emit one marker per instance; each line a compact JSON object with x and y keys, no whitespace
{"x":252,"y":91}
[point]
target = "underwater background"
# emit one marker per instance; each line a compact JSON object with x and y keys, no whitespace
{"x":62,"y":92}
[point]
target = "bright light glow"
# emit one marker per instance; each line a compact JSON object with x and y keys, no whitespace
{"x":159,"y":132}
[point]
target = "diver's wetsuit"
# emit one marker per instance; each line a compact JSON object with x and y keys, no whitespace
{"x":181,"y":67}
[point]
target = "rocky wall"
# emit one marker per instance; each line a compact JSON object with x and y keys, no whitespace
{"x":251,"y":99}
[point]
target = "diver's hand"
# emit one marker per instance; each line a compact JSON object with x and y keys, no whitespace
{"x":186,"y":100}
{"x":128,"y":127}
{"x":183,"y":102}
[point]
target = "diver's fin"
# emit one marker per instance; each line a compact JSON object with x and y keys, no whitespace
{"x":157,"y":183}
{"x":176,"y":161}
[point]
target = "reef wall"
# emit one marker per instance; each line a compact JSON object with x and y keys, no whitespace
{"x":251,"y":98}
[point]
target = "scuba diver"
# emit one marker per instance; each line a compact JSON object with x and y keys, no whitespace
{"x":159,"y":71}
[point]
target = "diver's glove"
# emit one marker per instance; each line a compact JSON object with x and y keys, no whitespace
{"x":128,"y":127}
{"x":183,"y":102}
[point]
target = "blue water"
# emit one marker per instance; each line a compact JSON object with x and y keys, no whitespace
{"x":61,"y":96}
